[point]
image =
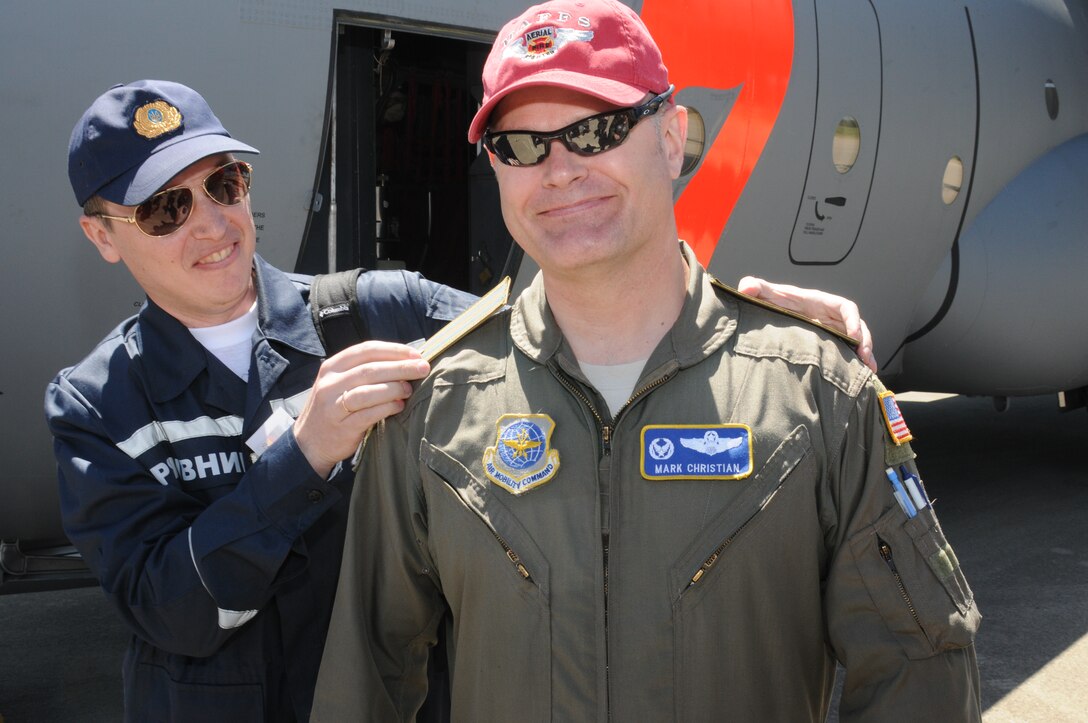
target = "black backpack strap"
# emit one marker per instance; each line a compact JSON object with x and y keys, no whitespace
{"x":335,"y":306}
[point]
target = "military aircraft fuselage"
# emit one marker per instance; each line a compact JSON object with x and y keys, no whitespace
{"x":927,"y":159}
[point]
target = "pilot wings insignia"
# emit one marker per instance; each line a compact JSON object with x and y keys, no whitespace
{"x":544,"y":42}
{"x":521,"y":444}
{"x":710,"y":443}
{"x":696,"y":451}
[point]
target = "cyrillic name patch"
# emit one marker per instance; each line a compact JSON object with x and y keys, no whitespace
{"x":696,"y":451}
{"x":522,"y":457}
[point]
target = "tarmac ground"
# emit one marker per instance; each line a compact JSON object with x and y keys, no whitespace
{"x":1011,"y":490}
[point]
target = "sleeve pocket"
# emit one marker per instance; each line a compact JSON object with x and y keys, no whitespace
{"x":916,"y":583}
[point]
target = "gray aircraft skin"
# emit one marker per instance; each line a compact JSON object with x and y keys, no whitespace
{"x":927,"y":159}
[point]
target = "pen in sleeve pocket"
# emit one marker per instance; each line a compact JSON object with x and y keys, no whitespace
{"x":901,"y":495}
{"x":915,"y":488}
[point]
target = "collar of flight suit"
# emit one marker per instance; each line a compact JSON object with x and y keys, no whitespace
{"x":705,"y":323}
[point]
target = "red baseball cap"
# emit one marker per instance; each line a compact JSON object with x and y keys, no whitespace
{"x":597,"y":47}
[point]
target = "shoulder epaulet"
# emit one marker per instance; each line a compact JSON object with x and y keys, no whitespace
{"x":459,"y":327}
{"x":782,"y":310}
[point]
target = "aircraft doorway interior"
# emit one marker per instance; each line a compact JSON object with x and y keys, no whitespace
{"x":405,"y":189}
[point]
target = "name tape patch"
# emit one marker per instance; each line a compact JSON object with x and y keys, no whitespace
{"x":522,"y":457}
{"x":696,"y":451}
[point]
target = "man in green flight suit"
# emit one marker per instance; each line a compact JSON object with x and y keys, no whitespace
{"x":635,"y":495}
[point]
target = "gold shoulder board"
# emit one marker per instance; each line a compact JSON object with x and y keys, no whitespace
{"x":782,"y":310}
{"x":469,"y":319}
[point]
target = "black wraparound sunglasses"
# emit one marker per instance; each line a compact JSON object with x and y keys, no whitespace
{"x":589,"y":136}
{"x":168,"y":210}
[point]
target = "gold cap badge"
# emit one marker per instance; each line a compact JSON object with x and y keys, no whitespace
{"x":155,"y":119}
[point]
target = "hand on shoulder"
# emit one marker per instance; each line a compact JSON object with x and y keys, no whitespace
{"x":354,"y":389}
{"x":836,"y":311}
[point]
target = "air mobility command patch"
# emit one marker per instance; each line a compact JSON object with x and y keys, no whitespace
{"x":522,"y":457}
{"x":696,"y":451}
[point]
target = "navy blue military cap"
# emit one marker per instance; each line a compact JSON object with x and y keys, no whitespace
{"x":136,"y":137}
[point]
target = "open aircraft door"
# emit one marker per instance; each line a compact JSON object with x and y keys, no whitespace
{"x":398,"y":185}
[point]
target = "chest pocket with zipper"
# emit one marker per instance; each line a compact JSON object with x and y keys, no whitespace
{"x":495,"y":579}
{"x":752,"y":581}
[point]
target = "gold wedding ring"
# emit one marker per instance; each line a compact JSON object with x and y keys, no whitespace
{"x":344,"y":405}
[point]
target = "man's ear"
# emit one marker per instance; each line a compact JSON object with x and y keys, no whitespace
{"x":675,"y":138}
{"x":95,"y":230}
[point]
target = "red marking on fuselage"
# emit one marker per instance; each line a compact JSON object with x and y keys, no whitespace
{"x":724,"y":44}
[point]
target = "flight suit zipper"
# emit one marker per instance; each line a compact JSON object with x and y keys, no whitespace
{"x":513,"y":557}
{"x":510,"y":554}
{"x":713,"y":558}
{"x":605,"y":439}
{"x":604,"y":429}
{"x":886,"y":555}
{"x":645,"y":390}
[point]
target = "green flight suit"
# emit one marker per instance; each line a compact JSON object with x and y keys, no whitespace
{"x":598,"y":594}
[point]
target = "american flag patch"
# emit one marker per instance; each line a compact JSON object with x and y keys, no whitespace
{"x":894,"y":419}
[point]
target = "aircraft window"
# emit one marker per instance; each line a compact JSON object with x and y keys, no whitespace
{"x":696,"y":144}
{"x":1050,"y":91}
{"x":953,"y":180}
{"x":846,"y":144}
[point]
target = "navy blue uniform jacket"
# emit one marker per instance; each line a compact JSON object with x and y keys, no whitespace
{"x":222,"y":563}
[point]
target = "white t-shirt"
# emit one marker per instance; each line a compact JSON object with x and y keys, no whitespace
{"x":615,"y":382}
{"x":231,"y":343}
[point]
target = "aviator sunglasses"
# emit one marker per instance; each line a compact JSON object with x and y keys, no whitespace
{"x":167,"y":211}
{"x":587,"y":137}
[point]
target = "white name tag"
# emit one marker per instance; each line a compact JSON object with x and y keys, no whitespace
{"x":270,"y":431}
